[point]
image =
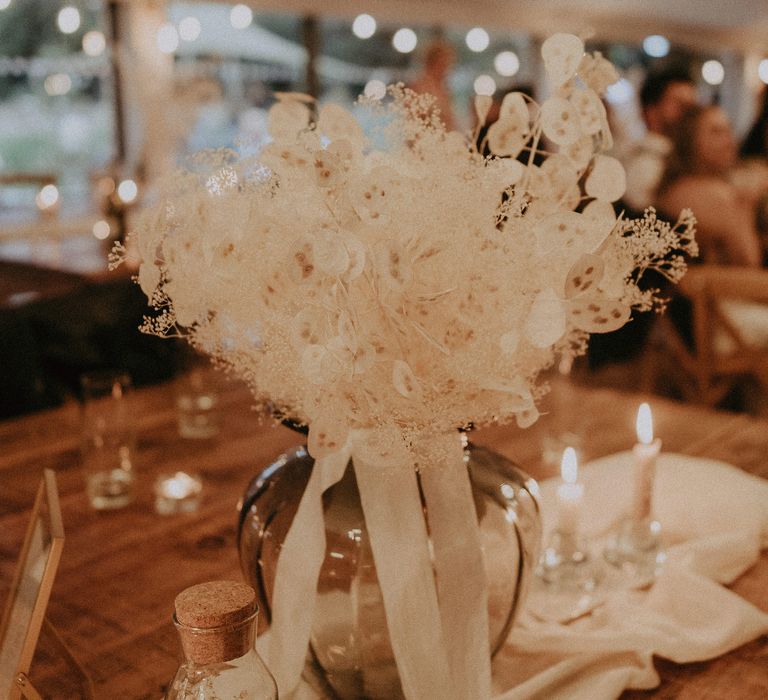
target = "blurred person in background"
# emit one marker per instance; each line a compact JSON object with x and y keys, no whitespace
{"x":439,"y":59}
{"x":664,"y":98}
{"x":752,"y":173}
{"x":755,"y":143}
{"x":697,"y":175}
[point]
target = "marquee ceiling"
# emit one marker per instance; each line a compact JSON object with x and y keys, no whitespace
{"x":739,"y":24}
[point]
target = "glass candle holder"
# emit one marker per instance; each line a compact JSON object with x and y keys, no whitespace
{"x":197,"y":410}
{"x":107,"y":439}
{"x":177,"y":493}
{"x":566,"y":574}
{"x":634,"y":547}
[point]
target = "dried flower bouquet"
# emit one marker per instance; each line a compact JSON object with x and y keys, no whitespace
{"x":394,"y":281}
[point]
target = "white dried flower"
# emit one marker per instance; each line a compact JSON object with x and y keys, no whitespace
{"x":545,"y":324}
{"x":507,"y":136}
{"x":483,"y":105}
{"x":597,"y":72}
{"x":562,"y":55}
{"x":560,"y":121}
{"x":411,"y":285}
{"x":607,"y":181}
{"x":286,"y":119}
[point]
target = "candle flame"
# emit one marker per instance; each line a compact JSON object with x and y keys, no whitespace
{"x":644,"y":424}
{"x":181,"y":485}
{"x":569,"y":468}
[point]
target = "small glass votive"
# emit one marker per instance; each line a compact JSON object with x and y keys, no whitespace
{"x":197,"y":413}
{"x":565,"y":563}
{"x":568,"y":583}
{"x":177,"y":493}
{"x":634,"y":548}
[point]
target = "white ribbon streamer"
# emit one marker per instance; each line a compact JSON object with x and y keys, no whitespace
{"x":298,"y":569}
{"x":393,"y":515}
{"x":439,"y":636}
{"x":461,"y":583}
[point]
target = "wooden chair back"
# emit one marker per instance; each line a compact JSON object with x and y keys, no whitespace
{"x":705,"y":373}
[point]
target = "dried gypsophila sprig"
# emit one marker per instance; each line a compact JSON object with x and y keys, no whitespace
{"x":410,"y":285}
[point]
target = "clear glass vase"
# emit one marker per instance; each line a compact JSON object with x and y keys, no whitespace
{"x":350,"y":644}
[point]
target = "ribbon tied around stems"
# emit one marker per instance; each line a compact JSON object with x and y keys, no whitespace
{"x":435,"y":594}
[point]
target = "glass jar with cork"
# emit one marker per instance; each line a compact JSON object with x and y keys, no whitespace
{"x":216,"y":622}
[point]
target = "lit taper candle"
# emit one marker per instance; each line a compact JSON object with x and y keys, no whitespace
{"x":569,"y":494}
{"x":645,"y":451}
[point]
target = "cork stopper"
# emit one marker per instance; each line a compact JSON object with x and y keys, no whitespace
{"x":215,"y":621}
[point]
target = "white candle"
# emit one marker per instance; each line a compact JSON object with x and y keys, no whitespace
{"x":645,"y":452}
{"x":569,"y":494}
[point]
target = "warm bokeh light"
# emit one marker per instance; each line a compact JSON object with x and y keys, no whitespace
{"x":569,"y":466}
{"x":58,"y":84}
{"x":656,"y":45}
{"x":620,"y":93}
{"x":762,"y":70}
{"x":68,"y":19}
{"x":241,"y":16}
{"x":127,"y":190}
{"x":101,"y":230}
{"x":167,"y":38}
{"x":644,"y":424}
{"x":477,"y":39}
{"x":713,"y":72}
{"x":405,"y":40}
{"x":94,"y":43}
{"x":375,"y":89}
{"x":484,"y":85}
{"x":189,"y":28}
{"x":506,"y":63}
{"x":364,"y":26}
{"x":47,"y":197}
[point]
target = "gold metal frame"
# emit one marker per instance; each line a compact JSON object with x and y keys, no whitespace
{"x":48,"y":494}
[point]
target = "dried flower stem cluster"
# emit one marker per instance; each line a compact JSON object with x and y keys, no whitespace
{"x":394,"y":277}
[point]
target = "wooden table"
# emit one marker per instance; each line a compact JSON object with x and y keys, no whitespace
{"x":121,"y":570}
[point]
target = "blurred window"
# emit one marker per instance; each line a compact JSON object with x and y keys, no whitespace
{"x":55,"y":106}
{"x":228,"y":64}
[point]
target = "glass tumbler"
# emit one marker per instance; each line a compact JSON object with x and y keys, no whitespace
{"x":108,"y":439}
{"x":197,"y":413}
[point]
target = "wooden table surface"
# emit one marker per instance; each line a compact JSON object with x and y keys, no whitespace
{"x":113,"y":595}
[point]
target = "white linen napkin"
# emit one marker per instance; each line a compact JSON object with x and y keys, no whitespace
{"x":714,"y":523}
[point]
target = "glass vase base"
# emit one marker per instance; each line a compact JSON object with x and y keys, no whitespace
{"x":351,"y":652}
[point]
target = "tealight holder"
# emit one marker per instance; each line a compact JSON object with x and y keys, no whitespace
{"x":197,"y":410}
{"x":177,"y":493}
{"x":565,"y":563}
{"x":568,"y":579}
{"x":634,"y":548}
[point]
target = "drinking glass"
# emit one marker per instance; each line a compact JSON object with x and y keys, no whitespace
{"x":108,"y":439}
{"x":197,"y":401}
